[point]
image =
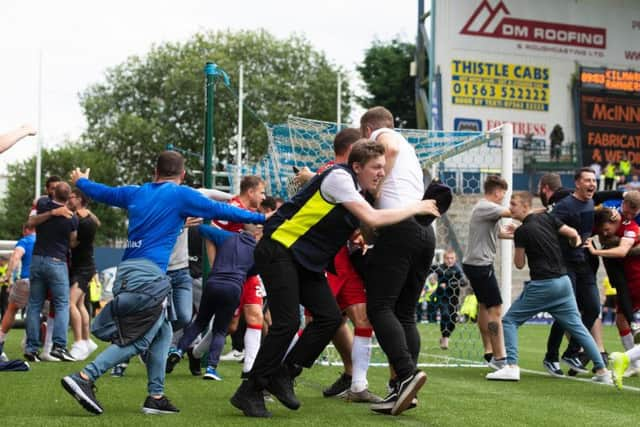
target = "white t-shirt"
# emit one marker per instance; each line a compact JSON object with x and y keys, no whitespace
{"x":337,"y":187}
{"x":404,"y":184}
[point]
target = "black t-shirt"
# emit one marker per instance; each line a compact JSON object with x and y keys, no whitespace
{"x":52,"y":236}
{"x":539,"y":237}
{"x":82,"y":255}
{"x":195,"y":253}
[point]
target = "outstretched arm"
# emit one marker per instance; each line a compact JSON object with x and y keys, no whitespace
{"x":9,"y":139}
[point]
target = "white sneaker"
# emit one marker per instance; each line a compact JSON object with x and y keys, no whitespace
{"x":633,"y":370}
{"x":603,"y":379}
{"x":507,"y":373}
{"x":4,"y":357}
{"x":232,"y":356}
{"x":91,"y":346}
{"x":45,"y":356}
{"x":79,"y":351}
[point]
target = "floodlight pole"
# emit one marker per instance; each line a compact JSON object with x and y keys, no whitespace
{"x":238,"y":174}
{"x":339,"y":102}
{"x":506,"y":247}
{"x":210,"y":71}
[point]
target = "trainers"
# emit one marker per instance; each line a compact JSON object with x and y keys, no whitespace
{"x":507,"y":373}
{"x":553,"y":368}
{"x":34,"y":357}
{"x":83,"y":391}
{"x":46,"y":355}
{"x":280,"y":385}
{"x":635,"y":330}
{"x":574,"y":363}
{"x":194,"y":364}
{"x":61,"y":353}
{"x":173,"y":359}
{"x":393,"y":382}
{"x":497,"y":364}
{"x":339,"y":388}
{"x":386,"y":405}
{"x":91,"y":346}
{"x":3,"y":356}
{"x":211,"y":374}
{"x":250,"y":401}
{"x":118,"y":370}
{"x":364,"y":396}
{"x":407,"y":390}
{"x":233,"y":356}
{"x":162,"y":406}
{"x":619,"y":364}
{"x":605,"y":378}
{"x":79,"y":351}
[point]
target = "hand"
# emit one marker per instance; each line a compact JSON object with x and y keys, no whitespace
{"x":28,"y":130}
{"x":589,"y":245}
{"x":614,"y":215}
{"x":76,"y":174}
{"x":428,"y":207}
{"x":303,"y":176}
{"x":62,"y":211}
{"x":510,"y":228}
{"x":192,"y":222}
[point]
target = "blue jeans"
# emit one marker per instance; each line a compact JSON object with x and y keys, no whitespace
{"x":47,"y":273}
{"x":182,"y":297}
{"x":155,"y":342}
{"x":555,"y":296}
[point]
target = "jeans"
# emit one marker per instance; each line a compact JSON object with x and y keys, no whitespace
{"x":182,"y":297}
{"x":47,"y":273}
{"x":398,"y":266}
{"x":555,"y":296}
{"x":155,"y":342}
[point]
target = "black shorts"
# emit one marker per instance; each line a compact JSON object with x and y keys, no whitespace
{"x":484,"y":283}
{"x":82,"y":276}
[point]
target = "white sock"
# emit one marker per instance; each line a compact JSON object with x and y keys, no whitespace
{"x":361,"y":356}
{"x":293,"y":343}
{"x":48,"y":339}
{"x":627,"y":341}
{"x":203,"y":346}
{"x":634,"y":353}
{"x":2,"y":336}
{"x":252,"y":338}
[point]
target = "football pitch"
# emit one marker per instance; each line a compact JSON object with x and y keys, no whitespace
{"x":451,"y":397}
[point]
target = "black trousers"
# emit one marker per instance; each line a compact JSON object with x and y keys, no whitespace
{"x":288,"y":285}
{"x":615,"y":271}
{"x":397,"y":269}
{"x":588,"y":298}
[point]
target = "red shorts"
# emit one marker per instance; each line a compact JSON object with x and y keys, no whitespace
{"x":347,"y":285}
{"x":252,"y":293}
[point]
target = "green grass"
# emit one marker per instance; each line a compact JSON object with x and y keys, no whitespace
{"x":451,"y":397}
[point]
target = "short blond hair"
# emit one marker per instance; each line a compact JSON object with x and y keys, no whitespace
{"x":632,"y":198}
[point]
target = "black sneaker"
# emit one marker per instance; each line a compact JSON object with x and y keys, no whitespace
{"x":391,"y":385}
{"x":172,"y":360}
{"x":61,"y":353}
{"x":338,"y":388}
{"x":553,"y":368}
{"x":407,"y":390}
{"x":160,"y":406}
{"x":32,"y":357}
{"x":280,"y":385}
{"x":250,"y":401}
{"x":83,"y":391}
{"x":387,"y":403}
{"x":574,"y":363}
{"x":118,"y":370}
{"x":194,"y":364}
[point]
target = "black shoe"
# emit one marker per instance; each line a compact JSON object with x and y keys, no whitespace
{"x":118,"y":370}
{"x":574,"y":363}
{"x":338,"y":388}
{"x":83,"y":391}
{"x":406,"y":391}
{"x":61,"y":353}
{"x":172,"y":360}
{"x":32,"y":357}
{"x":387,"y":403}
{"x":250,"y":401}
{"x":194,"y":364}
{"x":280,"y":385}
{"x":553,"y":368}
{"x":160,"y":406}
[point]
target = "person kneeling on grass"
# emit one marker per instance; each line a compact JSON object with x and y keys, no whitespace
{"x":549,"y":289}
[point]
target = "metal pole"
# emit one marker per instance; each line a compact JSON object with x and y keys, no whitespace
{"x":210,"y":71}
{"x":39,"y":148}
{"x":506,"y":247}
{"x":236,"y":187}
{"x":339,"y":106}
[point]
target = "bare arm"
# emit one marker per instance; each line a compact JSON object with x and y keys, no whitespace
{"x":7,"y":140}
{"x":73,"y":239}
{"x":391,"y":150}
{"x":16,"y":256}
{"x":619,"y":251}
{"x":571,"y":234}
{"x":211,"y":251}
{"x":519,"y":258}
{"x":381,"y":217}
{"x":36,"y":220}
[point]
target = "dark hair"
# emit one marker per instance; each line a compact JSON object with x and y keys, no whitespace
{"x":580,"y":171}
{"x":345,"y":139}
{"x":551,"y":180}
{"x":364,"y":150}
{"x":376,"y":118}
{"x":62,"y":192}
{"x":169,"y":164}
{"x":524,"y":196}
{"x":84,"y":200}
{"x":494,"y":182}
{"x":248,"y":182}
{"x":269,"y":203}
{"x":602,"y":216}
{"x":51,"y":179}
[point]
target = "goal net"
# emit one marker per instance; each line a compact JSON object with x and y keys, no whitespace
{"x":462,"y":160}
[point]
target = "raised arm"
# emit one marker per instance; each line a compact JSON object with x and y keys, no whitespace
{"x":7,"y":140}
{"x":114,"y":196}
{"x":196,"y":205}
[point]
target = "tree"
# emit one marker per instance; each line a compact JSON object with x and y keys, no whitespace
{"x":18,"y":199}
{"x":385,"y":72}
{"x":149,"y":102}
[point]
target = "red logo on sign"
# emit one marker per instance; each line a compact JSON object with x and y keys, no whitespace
{"x":490,"y":21}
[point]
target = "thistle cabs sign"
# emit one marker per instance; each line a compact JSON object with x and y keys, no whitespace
{"x":499,"y":85}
